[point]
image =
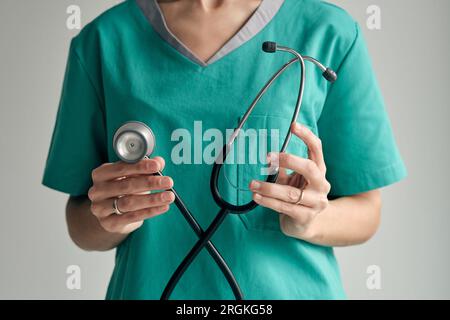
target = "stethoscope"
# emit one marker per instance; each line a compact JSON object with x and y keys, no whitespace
{"x":135,"y":141}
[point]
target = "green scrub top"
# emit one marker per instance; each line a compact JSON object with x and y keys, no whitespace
{"x":126,"y":65}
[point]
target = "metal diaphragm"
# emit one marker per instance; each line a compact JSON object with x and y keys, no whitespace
{"x":133,"y":142}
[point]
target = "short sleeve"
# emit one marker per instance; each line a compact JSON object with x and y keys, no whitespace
{"x":78,"y":143}
{"x":358,"y":143}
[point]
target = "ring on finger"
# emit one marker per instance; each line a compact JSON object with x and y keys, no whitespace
{"x":116,"y":207}
{"x":300,"y":197}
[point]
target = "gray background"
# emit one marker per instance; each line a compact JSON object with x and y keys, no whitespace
{"x":410,"y":54}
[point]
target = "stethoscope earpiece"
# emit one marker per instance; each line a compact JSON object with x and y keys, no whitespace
{"x":330,"y":75}
{"x":269,"y":47}
{"x":133,"y":142}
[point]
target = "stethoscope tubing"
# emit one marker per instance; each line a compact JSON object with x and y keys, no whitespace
{"x":204,"y":239}
{"x":226,"y":207}
{"x":215,"y":254}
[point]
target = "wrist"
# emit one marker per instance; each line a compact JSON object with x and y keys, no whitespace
{"x":318,"y":228}
{"x":314,"y":232}
{"x":291,"y":228}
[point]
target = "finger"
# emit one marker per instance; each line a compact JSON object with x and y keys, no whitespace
{"x":128,"y":186}
{"x":138,"y":202}
{"x":284,"y":193}
{"x":132,"y":203}
{"x":301,"y":214}
{"x":313,"y":143}
{"x":302,"y":166}
{"x":116,"y":222}
{"x":161,"y":161}
{"x":103,"y":208}
{"x":112,"y":171}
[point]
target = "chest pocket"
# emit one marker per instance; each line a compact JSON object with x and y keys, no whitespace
{"x":271,"y":132}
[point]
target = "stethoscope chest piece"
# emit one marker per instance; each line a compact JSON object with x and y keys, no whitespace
{"x":133,"y":142}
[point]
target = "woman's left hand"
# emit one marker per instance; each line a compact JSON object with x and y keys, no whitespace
{"x":300,"y":196}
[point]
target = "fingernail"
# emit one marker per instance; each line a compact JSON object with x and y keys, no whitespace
{"x":257,"y":197}
{"x":255,"y":185}
{"x":167,"y":181}
{"x":168,"y":196}
{"x":272,"y":157}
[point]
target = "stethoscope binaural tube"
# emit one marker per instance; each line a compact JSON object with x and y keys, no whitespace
{"x":269,"y":47}
{"x":135,"y":141}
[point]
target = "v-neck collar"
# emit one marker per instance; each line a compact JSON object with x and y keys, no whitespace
{"x":260,"y":18}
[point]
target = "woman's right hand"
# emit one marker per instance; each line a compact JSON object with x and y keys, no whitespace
{"x":128,"y":182}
